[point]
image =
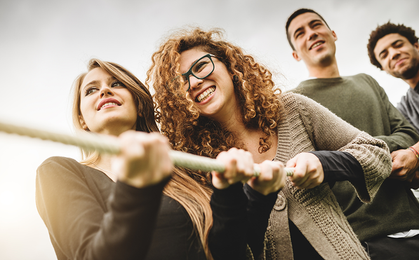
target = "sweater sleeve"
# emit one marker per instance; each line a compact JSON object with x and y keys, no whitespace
{"x":240,"y":218}
{"x":331,"y":133}
{"x":227,"y":238}
{"x":259,"y":209}
{"x":403,"y":134}
{"x":81,"y":228}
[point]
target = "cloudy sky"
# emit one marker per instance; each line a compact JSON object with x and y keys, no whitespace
{"x":45,"y":44}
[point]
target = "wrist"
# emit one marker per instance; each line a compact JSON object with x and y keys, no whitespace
{"x":415,"y":152}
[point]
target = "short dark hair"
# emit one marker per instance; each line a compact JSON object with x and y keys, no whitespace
{"x":297,"y":13}
{"x":383,"y":30}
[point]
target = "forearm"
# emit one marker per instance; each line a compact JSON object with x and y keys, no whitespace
{"x":127,"y":228}
{"x":340,"y":166}
{"x":258,"y":211}
{"x":227,"y":238}
{"x":81,"y":224}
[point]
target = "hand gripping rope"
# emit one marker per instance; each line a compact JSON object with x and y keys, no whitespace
{"x":102,"y":144}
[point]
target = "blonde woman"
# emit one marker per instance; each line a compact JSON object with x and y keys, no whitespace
{"x":135,"y":205}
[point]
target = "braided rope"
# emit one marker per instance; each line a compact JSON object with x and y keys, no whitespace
{"x":102,"y":144}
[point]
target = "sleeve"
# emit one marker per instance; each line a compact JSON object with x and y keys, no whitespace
{"x":401,"y":106}
{"x":259,"y":209}
{"x":240,"y":218}
{"x":340,"y":166}
{"x":227,"y":238}
{"x":81,"y":228}
{"x":331,"y":133}
{"x":403,"y":134}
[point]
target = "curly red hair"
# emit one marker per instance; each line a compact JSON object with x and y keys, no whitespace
{"x":176,"y":113}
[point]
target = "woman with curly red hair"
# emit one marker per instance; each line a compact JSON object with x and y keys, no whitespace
{"x":211,"y":96}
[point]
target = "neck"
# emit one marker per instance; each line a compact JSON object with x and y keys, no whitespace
{"x":250,"y":139}
{"x":328,"y":71}
{"x":413,"y":82}
{"x":104,"y":164}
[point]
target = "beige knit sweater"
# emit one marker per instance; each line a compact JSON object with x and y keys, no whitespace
{"x":308,"y":126}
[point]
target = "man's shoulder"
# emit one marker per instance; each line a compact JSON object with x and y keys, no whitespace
{"x":364,"y":77}
{"x":359,"y":76}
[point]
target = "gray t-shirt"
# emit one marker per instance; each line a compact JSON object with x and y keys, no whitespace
{"x":409,"y":106}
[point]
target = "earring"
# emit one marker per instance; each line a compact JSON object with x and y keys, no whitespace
{"x":235,"y":79}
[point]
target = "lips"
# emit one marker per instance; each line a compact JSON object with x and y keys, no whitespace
{"x":108,"y":102}
{"x":399,"y":61}
{"x":315,"y":44}
{"x":205,"y":94}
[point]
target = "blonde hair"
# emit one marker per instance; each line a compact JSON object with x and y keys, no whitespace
{"x":185,"y":187}
{"x":181,"y":121}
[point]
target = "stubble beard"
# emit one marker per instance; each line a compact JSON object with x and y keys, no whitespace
{"x":411,"y":71}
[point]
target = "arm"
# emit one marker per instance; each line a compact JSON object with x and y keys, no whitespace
{"x":259,"y":209}
{"x":81,"y":228}
{"x":331,"y":133}
{"x":403,"y":134}
{"x":80,"y":224}
{"x":405,"y":164}
{"x":236,"y":222}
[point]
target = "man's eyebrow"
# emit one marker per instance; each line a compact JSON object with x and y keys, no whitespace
{"x":298,"y":30}
{"x":302,"y":27}
{"x":314,"y":21}
{"x":396,"y":42}
{"x":392,"y":44}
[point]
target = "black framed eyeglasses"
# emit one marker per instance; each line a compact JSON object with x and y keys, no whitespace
{"x":200,"y":69}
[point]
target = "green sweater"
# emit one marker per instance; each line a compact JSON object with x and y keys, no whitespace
{"x":360,"y":101}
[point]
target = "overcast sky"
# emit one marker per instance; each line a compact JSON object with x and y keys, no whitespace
{"x":44,"y":45}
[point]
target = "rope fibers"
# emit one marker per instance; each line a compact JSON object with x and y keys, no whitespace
{"x":102,"y":144}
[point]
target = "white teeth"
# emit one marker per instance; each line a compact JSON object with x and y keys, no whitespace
{"x":109,"y":104}
{"x":315,"y":45}
{"x":205,"y":94}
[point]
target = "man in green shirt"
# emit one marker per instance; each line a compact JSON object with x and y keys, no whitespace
{"x":360,"y":101}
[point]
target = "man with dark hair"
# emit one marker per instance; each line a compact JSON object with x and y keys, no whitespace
{"x":395,"y":49}
{"x":360,"y":101}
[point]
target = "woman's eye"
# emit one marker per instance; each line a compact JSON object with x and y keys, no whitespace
{"x":118,"y":84}
{"x":90,"y":91}
{"x":200,"y":66}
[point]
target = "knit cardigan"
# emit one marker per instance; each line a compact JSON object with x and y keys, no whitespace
{"x":307,"y":126}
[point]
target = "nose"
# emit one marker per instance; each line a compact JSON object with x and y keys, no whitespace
{"x":194,"y":82}
{"x":312,"y":35}
{"x":105,"y":91}
{"x":394,"y":54}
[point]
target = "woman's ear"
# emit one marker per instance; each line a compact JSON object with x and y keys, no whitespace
{"x":83,"y":124}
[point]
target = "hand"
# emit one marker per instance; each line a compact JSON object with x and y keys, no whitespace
{"x":238,"y":167}
{"x":271,"y":179}
{"x":404,"y":166}
{"x":144,"y":159}
{"x":308,"y":172}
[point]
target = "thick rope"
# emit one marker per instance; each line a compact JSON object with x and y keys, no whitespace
{"x":89,"y":141}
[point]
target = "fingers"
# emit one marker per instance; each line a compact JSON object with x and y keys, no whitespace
{"x":238,"y":168}
{"x":308,"y":171}
{"x":404,"y":165}
{"x":271,"y":179}
{"x":144,"y":159}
